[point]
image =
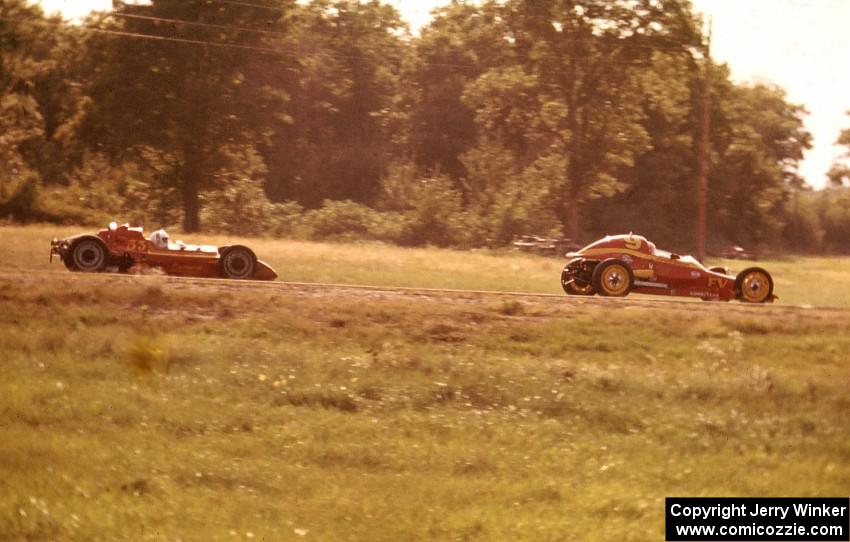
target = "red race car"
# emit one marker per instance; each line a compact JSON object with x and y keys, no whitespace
{"x":121,"y":247}
{"x":619,"y":264}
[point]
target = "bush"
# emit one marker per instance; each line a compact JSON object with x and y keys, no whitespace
{"x":428,"y":209}
{"x":94,"y":202}
{"x":510,"y":202}
{"x":341,"y":219}
{"x":236,"y":203}
{"x":20,"y":203}
{"x":30,"y":203}
{"x":834,"y":210}
{"x":239,"y":207}
{"x":390,"y":226}
{"x":99,"y":192}
{"x":437,"y":216}
{"x":288,"y":218}
{"x":803,"y":229}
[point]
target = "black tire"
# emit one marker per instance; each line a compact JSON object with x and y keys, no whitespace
{"x":237,"y":262}
{"x":754,"y":285}
{"x":613,"y":278}
{"x":88,"y":255}
{"x":69,"y":263}
{"x":573,"y":285}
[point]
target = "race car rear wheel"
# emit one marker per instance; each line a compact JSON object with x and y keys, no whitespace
{"x":754,"y":285}
{"x":613,"y":278}
{"x":238,"y":262}
{"x":88,"y":255}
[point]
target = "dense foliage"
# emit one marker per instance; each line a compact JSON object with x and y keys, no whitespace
{"x":330,"y":119}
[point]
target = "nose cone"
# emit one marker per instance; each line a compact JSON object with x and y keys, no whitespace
{"x":264,"y":271}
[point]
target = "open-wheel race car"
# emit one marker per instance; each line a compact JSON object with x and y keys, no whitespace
{"x":620,"y":264}
{"x":118,"y":248}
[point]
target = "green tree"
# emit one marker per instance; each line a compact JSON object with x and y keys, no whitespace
{"x":20,"y":120}
{"x":40,"y":107}
{"x":657,"y":201}
{"x":515,"y":173}
{"x":576,"y":76}
{"x":40,"y":102}
{"x":839,"y":173}
{"x":461,"y":43}
{"x":345,"y":105}
{"x":833,"y":208}
{"x":758,"y":142}
{"x":183,"y":101}
{"x":591,"y":57}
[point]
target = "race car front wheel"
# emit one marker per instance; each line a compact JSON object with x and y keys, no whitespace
{"x":572,"y":285}
{"x":88,"y":255}
{"x":754,"y":285}
{"x":574,"y":288}
{"x":238,"y":262}
{"x":613,"y":278}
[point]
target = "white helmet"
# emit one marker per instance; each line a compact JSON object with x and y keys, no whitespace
{"x":159,"y":239}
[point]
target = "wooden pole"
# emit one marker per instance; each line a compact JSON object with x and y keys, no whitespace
{"x":704,"y":150}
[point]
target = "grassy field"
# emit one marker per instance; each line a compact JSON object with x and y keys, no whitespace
{"x":138,"y":408}
{"x":819,"y":282}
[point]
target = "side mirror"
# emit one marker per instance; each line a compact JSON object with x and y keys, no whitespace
{"x":674,"y":256}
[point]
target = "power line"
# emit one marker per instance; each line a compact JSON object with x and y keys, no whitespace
{"x":676,"y":47}
{"x":185,"y":40}
{"x":272,"y":8}
{"x":704,"y":150}
{"x":157,"y":37}
{"x":239,"y":3}
{"x":194,"y":23}
{"x":299,"y":54}
{"x":282,"y":52}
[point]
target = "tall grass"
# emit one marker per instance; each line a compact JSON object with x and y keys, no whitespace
{"x":152,"y":411}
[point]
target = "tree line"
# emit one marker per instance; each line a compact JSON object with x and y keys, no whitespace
{"x":554,"y":117}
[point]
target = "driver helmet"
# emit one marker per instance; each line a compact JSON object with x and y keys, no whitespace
{"x":159,"y":238}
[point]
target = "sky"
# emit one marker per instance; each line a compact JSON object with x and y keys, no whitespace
{"x":800,"y":45}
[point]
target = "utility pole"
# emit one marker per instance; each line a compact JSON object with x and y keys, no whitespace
{"x":704,"y":149}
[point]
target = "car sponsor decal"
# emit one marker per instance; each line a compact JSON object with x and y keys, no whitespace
{"x":717,"y":283}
